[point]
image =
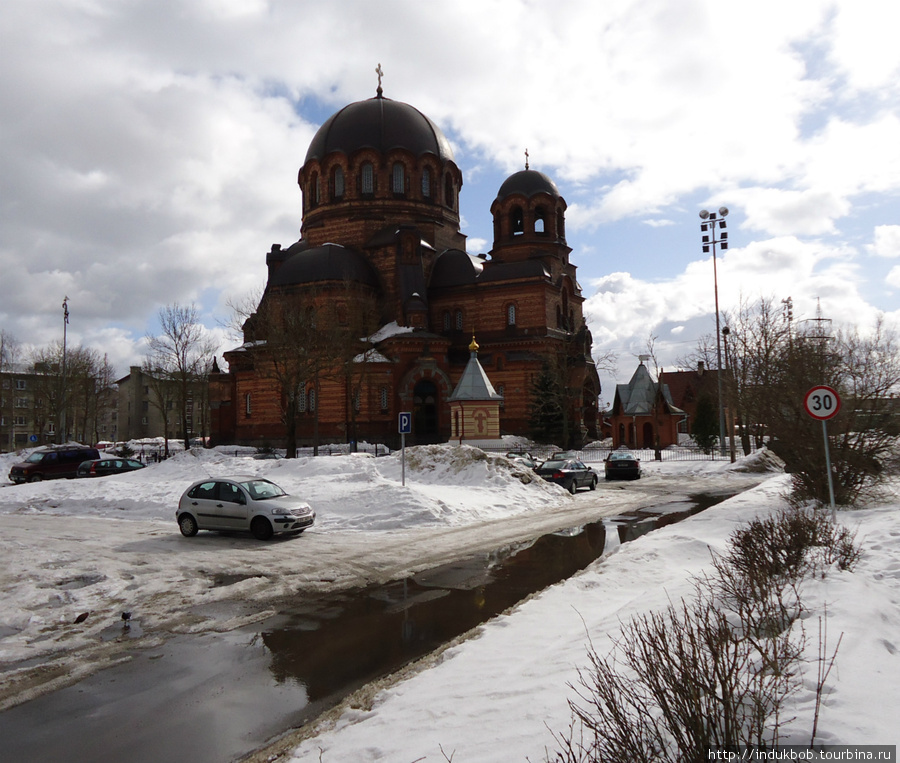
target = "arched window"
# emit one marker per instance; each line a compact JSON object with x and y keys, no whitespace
{"x":459,"y":320}
{"x":516,"y":221}
{"x":384,"y":398}
{"x":426,"y":183}
{"x":367,"y":179}
{"x":448,"y":322}
{"x":356,"y":400}
{"x":560,"y":225}
{"x":314,"y":190}
{"x":311,"y":398}
{"x":337,"y":183}
{"x":540,"y":221}
{"x":398,"y":178}
{"x":511,"y":315}
{"x":301,"y":400}
{"x":247,"y":407}
{"x":449,"y":197}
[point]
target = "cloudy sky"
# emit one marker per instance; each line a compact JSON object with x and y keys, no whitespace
{"x":149,"y":148}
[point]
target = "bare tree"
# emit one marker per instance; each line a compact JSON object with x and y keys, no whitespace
{"x":10,"y":352}
{"x":182,"y":353}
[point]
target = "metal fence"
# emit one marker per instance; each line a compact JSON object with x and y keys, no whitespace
{"x":679,"y":453}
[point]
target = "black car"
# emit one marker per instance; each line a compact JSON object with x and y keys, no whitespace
{"x":101,"y":467}
{"x":570,"y":473}
{"x":622,"y":465}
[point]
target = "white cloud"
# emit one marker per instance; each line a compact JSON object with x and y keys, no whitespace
{"x":887,"y":241}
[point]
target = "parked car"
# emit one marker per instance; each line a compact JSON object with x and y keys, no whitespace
{"x":563,"y":455}
{"x":267,"y":456}
{"x":570,"y":473}
{"x":101,"y":467}
{"x":52,"y":462}
{"x":622,"y":465}
{"x":242,"y":503}
{"x":522,"y":457}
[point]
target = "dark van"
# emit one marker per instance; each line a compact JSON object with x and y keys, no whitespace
{"x":51,"y":462}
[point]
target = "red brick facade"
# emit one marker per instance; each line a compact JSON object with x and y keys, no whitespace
{"x":381,"y":222}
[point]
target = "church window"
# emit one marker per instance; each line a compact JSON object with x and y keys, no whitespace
{"x":311,"y":399}
{"x":314,"y":189}
{"x":398,"y":178}
{"x":511,"y":315}
{"x":449,"y":197}
{"x":368,"y":179}
{"x":539,"y":220}
{"x":560,"y":225}
{"x":448,"y":321}
{"x":247,"y":407}
{"x":426,"y":183}
{"x":301,"y":400}
{"x":338,"y":183}
{"x":356,"y":400}
{"x":459,"y":320}
{"x":501,"y":390}
{"x":516,"y":221}
{"x":384,"y":398}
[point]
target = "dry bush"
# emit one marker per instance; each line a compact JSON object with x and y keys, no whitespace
{"x":714,"y":671}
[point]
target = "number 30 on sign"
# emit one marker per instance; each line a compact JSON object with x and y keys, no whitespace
{"x":822,"y":403}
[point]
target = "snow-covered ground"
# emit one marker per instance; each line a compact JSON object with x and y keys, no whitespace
{"x":102,"y":546}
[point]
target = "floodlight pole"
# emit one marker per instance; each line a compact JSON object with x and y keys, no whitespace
{"x":62,"y":414}
{"x":708,"y":238}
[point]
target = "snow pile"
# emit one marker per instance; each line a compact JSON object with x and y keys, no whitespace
{"x":445,"y":484}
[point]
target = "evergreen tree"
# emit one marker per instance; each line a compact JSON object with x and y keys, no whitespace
{"x":705,"y":429}
{"x":547,"y":419}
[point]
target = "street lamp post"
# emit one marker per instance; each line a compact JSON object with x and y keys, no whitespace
{"x":62,"y":416}
{"x":709,"y":229}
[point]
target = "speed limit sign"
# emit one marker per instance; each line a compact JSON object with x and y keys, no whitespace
{"x":822,"y":403}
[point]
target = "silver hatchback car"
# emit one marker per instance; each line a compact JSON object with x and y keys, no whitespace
{"x":242,"y":503}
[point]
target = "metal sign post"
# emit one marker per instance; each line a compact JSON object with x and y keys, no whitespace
{"x":404,"y":426}
{"x":823,"y":403}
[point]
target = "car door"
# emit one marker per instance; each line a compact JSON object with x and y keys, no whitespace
{"x":202,"y":502}
{"x":232,"y":505}
{"x":582,"y":474}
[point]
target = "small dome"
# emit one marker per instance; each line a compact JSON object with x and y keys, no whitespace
{"x":455,"y":267}
{"x":528,"y":183}
{"x":330,"y":262}
{"x":382,"y":124}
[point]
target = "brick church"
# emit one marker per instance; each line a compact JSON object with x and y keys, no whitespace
{"x":380,"y":227}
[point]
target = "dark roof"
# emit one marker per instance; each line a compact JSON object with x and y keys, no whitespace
{"x":382,"y":124}
{"x":528,"y":183}
{"x":508,"y":271}
{"x":454,"y":267}
{"x":330,"y":262}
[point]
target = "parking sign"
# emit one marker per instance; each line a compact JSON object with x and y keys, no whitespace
{"x":405,"y":423}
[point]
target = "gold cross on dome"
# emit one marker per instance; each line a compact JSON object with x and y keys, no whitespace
{"x":380,"y":73}
{"x":526,"y":158}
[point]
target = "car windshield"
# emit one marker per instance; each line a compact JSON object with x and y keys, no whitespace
{"x":261,"y":489}
{"x":622,"y":456}
{"x":34,"y":458}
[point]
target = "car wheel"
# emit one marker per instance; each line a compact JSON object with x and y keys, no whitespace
{"x":261,"y":528}
{"x":188,"y":525}
{"x":572,"y":487}
{"x":35,"y":478}
{"x":593,"y":485}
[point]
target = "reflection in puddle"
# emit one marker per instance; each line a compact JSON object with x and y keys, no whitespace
{"x":217,"y":696}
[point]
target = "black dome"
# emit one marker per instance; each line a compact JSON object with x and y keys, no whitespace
{"x":527,"y":183}
{"x":330,"y":262}
{"x":382,"y":124}
{"x":455,"y":267}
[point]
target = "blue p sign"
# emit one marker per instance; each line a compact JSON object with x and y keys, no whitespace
{"x":405,"y":423}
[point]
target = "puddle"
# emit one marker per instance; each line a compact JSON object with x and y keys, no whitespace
{"x":216,"y":697}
